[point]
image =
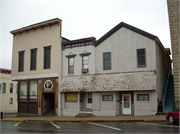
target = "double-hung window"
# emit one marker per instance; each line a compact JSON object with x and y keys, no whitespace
{"x":33,"y":59}
{"x":141,"y":57}
{"x":21,"y":61}
{"x":107,"y":61}
{"x":85,"y":62}
{"x":47,"y":57}
{"x":71,"y":65}
{"x":11,"y":88}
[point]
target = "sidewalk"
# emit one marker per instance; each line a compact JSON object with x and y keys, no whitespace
{"x":121,"y":118}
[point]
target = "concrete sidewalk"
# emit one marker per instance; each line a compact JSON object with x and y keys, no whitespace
{"x":121,"y":118}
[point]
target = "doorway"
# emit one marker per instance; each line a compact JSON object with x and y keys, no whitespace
{"x":89,"y":100}
{"x":126,"y":103}
{"x":48,"y":103}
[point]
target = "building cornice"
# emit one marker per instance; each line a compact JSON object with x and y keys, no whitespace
{"x":37,"y":25}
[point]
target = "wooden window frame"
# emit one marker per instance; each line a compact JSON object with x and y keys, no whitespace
{"x":142,"y":95}
{"x":104,"y":67}
{"x":107,"y":95}
{"x":33,"y":61}
{"x":139,"y":66}
{"x":83,"y":61}
{"x":45,"y":57}
{"x":21,"y":61}
{"x":70,"y":65}
{"x":10,"y":88}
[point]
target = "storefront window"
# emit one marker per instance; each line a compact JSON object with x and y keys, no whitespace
{"x":33,"y":90}
{"x":142,"y":97}
{"x":23,"y":90}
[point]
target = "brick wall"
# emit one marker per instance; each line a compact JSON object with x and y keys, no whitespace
{"x":173,"y":10}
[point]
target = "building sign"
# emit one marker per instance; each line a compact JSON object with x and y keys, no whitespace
{"x":48,"y":86}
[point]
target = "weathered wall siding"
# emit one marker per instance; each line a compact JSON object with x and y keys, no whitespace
{"x":145,"y":107}
{"x":97,"y":101}
{"x":123,"y":46}
{"x":38,"y":39}
{"x":110,"y":82}
{"x":78,"y":60}
{"x":161,"y":71}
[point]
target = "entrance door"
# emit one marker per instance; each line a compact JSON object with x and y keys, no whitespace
{"x":89,"y":100}
{"x":126,"y":103}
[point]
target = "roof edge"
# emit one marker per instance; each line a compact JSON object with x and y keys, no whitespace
{"x":37,"y":25}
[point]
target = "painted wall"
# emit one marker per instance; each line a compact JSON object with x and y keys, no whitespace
{"x":48,"y":36}
{"x":161,"y":71}
{"x":123,"y":46}
{"x":4,"y":97}
{"x":145,"y":107}
{"x":78,"y":60}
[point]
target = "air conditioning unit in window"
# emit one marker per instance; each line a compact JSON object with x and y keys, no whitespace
{"x":84,"y":70}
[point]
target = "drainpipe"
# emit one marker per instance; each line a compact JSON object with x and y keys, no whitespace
{"x":60,"y":76}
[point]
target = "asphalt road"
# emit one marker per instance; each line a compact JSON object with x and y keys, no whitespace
{"x":125,"y":127}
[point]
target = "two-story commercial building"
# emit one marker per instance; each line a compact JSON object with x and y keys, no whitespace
{"x":35,"y":65}
{"x":124,"y":72}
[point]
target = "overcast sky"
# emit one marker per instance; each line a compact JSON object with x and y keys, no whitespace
{"x":81,"y":19}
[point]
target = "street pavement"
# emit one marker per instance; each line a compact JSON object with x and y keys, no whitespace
{"x":121,"y":118}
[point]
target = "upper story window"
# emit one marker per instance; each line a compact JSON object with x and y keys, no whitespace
{"x":47,"y":57}
{"x":85,"y":62}
{"x":11,"y":88}
{"x":33,"y":59}
{"x":21,"y":61}
{"x":11,"y":101}
{"x":4,"y":88}
{"x":107,"y":61}
{"x":141,"y":57}
{"x":71,"y":65}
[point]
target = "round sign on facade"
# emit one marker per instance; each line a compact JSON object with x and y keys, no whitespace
{"x":48,"y":85}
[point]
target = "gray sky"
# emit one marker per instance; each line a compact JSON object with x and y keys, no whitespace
{"x":82,"y":18}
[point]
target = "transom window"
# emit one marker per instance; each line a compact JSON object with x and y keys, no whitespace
{"x":141,"y":57}
{"x":85,"y":62}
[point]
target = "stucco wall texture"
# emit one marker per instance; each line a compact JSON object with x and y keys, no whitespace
{"x":135,"y":81}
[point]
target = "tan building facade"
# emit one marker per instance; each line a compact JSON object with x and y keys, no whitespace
{"x":8,"y":92}
{"x":173,"y":10}
{"x":35,"y":66}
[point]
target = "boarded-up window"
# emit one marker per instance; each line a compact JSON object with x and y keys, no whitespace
{"x":33,"y":59}
{"x":141,"y":57}
{"x":71,"y":65}
{"x":21,"y":61}
{"x":142,"y":97}
{"x":23,"y":90}
{"x":33,"y":90}
{"x":71,"y":97}
{"x":47,"y":57}
{"x":107,"y":61}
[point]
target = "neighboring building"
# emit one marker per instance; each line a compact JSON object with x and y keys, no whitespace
{"x":126,"y":73}
{"x":36,"y":68}
{"x":8,"y":92}
{"x":173,"y":10}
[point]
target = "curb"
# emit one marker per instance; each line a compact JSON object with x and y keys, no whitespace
{"x":11,"y":120}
